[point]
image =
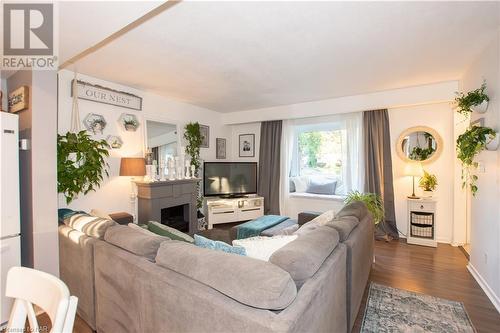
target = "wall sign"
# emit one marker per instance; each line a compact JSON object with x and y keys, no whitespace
{"x":19,"y":99}
{"x":96,"y":93}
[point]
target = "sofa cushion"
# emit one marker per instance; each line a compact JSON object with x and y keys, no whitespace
{"x":172,"y":233}
{"x":318,"y":221}
{"x":304,"y":256}
{"x":90,"y":225}
{"x":135,"y":241}
{"x":322,"y":186}
{"x":356,"y":208}
{"x":206,"y":243}
{"x":261,"y":247}
{"x":249,"y":281}
{"x":344,"y":226}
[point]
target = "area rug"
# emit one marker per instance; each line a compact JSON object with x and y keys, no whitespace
{"x":395,"y":310}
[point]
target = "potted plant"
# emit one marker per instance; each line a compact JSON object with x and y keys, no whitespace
{"x":470,"y":144}
{"x":81,"y":163}
{"x":192,"y":135}
{"x":475,"y":100}
{"x":130,"y":124}
{"x":373,"y":202}
{"x":428,"y":183}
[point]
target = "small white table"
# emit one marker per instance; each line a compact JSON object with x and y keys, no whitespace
{"x":421,"y":222}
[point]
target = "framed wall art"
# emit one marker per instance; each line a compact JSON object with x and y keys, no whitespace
{"x":247,"y":145}
{"x":220,"y":152}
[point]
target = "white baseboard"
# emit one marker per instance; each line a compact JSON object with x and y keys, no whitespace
{"x":484,"y":285}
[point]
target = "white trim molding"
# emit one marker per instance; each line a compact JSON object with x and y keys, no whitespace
{"x":484,"y":285}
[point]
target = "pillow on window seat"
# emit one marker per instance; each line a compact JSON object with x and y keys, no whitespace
{"x":322,"y":186}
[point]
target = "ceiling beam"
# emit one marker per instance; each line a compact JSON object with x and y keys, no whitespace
{"x":158,"y":10}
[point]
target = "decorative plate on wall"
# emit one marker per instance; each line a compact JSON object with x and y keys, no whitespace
{"x":94,"y":123}
{"x":129,"y":122}
{"x":114,"y":141}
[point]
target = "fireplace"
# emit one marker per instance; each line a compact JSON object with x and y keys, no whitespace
{"x":176,"y":217}
{"x":171,"y":202}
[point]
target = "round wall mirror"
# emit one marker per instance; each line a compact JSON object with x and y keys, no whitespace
{"x":419,"y":143}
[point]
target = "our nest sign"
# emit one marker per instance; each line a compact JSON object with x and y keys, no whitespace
{"x":96,"y":93}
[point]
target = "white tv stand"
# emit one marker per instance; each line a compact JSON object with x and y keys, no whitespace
{"x":221,"y":210}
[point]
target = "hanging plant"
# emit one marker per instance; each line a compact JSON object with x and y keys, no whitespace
{"x":194,"y":139}
{"x":81,"y":164}
{"x":469,"y":145}
{"x":466,"y":102}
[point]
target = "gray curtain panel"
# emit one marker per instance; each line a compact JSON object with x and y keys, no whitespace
{"x":269,"y":165}
{"x":378,"y":167}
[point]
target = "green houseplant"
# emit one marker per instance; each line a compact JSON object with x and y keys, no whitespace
{"x":372,"y":201}
{"x":428,"y":183}
{"x":81,"y":163}
{"x":193,"y":138}
{"x":476,"y":98}
{"x":469,"y":145}
{"x":130,"y":124}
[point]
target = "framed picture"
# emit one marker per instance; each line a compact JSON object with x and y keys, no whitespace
{"x":247,"y":145}
{"x":205,"y":136}
{"x":220,"y":153}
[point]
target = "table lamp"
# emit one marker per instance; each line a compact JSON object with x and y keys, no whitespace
{"x":132,"y":167}
{"x":413,"y":169}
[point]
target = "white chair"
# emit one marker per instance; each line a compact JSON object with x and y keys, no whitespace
{"x":28,"y":287}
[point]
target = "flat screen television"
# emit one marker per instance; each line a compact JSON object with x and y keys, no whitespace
{"x":229,"y":179}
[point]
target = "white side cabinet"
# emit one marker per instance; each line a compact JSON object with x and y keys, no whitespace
{"x":422,"y":222}
{"x":219,"y":210}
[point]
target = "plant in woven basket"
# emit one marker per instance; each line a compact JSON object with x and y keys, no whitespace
{"x":465,"y":102}
{"x":469,"y":145}
{"x":373,"y":202}
{"x":81,"y":163}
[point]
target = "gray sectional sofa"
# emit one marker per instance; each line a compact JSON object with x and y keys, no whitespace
{"x":135,"y":282}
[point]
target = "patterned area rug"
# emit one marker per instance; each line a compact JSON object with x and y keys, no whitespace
{"x":395,"y":310}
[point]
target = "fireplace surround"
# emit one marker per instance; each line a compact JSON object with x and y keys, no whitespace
{"x":171,"y":202}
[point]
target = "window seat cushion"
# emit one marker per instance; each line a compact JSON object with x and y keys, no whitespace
{"x":331,"y":197}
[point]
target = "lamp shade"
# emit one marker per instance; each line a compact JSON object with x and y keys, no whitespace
{"x":413,"y":169}
{"x":132,"y":166}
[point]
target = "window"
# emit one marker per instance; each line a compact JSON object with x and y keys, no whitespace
{"x":325,"y":155}
{"x":320,"y":153}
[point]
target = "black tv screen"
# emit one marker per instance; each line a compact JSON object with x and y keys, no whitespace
{"x":229,"y":178}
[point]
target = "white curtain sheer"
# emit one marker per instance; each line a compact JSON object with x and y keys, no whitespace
{"x":352,"y":141}
{"x":287,"y":138}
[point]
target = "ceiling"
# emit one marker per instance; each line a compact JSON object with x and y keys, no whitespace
{"x":232,"y":56}
{"x":83,"y":24}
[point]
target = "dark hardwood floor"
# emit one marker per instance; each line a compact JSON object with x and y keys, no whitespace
{"x":439,"y":272}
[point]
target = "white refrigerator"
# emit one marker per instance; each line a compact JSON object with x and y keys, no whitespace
{"x":10,"y":225}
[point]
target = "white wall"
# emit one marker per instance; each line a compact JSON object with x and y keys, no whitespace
{"x":435,"y":115}
{"x":440,"y":118}
{"x":485,"y":213}
{"x":113,"y":196}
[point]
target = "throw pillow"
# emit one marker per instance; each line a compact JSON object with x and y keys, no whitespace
{"x":300,"y":184}
{"x":206,"y":243}
{"x":143,"y":228}
{"x":261,"y":247}
{"x":99,"y":213}
{"x":322,"y":186}
{"x":66,"y":213}
{"x":90,"y":225}
{"x":172,"y":233}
